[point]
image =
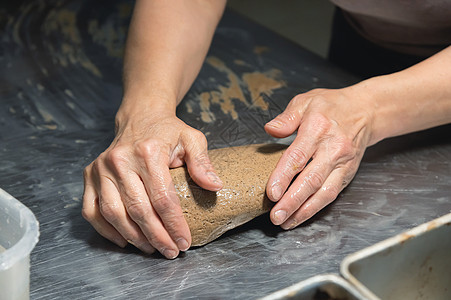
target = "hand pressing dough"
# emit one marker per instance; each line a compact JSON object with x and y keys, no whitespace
{"x":244,"y":171}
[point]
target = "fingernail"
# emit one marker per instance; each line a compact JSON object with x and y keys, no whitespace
{"x":280,"y":216}
{"x":291,"y":226}
{"x":276,"y":192}
{"x":213,"y":177}
{"x":182,"y":244}
{"x":147,"y":248}
{"x":170,"y":254}
{"x":275,"y":124}
{"x":120,"y":242}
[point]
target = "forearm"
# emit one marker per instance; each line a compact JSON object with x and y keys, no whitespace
{"x":411,"y":100}
{"x":166,"y":45}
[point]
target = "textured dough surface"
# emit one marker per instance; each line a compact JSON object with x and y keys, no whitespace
{"x":244,"y":171}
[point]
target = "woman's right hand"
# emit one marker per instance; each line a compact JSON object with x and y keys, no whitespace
{"x":129,"y":196}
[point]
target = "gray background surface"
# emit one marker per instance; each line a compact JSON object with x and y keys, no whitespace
{"x":60,"y":87}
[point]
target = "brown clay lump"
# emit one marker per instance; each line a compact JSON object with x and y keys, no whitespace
{"x":244,"y":171}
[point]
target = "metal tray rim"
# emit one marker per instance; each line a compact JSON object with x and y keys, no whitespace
{"x":384,"y":245}
{"x":309,"y":282}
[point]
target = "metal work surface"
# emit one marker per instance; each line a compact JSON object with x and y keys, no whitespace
{"x":60,"y":88}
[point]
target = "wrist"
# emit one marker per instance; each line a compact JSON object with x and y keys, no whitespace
{"x":138,"y":109}
{"x":374,"y":96}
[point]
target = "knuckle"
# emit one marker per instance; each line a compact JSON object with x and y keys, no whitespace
{"x":87,"y":171}
{"x":203,"y":160}
{"x":87,"y":214}
{"x":318,"y":96}
{"x":321,"y":123}
{"x":344,"y":151}
{"x":297,"y":156}
{"x":94,"y":168}
{"x":199,"y":136}
{"x":314,"y":180}
{"x":194,"y":139}
{"x":314,"y":96}
{"x":298,"y":99}
{"x":137,"y":211}
{"x":349,"y":175}
{"x":330,"y":193}
{"x":110,"y":212}
{"x":132,"y":193}
{"x":116,"y":157}
{"x":148,"y":148}
{"x":344,"y":183}
{"x":161,"y":202}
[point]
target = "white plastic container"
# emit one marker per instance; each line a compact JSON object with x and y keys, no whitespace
{"x":19,"y":233}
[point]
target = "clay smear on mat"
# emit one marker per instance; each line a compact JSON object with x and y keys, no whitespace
{"x":256,"y":84}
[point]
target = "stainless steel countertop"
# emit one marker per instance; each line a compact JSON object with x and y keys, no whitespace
{"x":60,"y":87}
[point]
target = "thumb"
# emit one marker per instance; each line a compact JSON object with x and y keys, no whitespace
{"x":199,"y":165}
{"x":284,"y":124}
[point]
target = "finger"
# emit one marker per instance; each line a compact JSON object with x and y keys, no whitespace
{"x":165,"y":201}
{"x":283,"y":125}
{"x":309,"y":181}
{"x":140,"y":210}
{"x":91,"y":213}
{"x":198,"y":163}
{"x":334,"y":184}
{"x":294,"y":159}
{"x":113,"y":210}
{"x":288,"y":121}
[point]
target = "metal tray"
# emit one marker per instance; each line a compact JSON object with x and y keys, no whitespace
{"x":321,"y":287}
{"x":415,"y":264}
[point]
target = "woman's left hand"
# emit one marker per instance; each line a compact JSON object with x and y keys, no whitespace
{"x":333,"y":130}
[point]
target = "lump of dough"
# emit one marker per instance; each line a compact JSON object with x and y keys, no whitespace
{"x":244,"y":171}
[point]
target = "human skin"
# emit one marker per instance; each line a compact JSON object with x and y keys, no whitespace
{"x":129,"y":196}
{"x":334,"y":127}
